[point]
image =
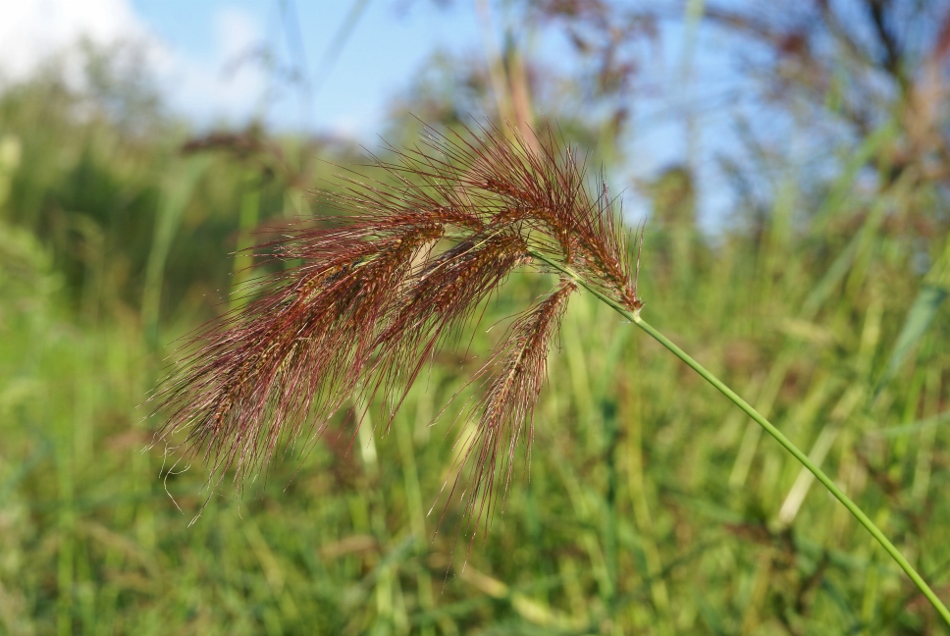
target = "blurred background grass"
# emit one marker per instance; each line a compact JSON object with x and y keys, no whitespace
{"x":652,"y":507}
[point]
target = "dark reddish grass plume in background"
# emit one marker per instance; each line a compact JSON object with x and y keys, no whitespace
{"x":366,"y":298}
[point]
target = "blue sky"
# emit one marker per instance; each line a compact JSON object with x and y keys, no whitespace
{"x":354,"y":81}
{"x":351,"y":83}
{"x":196,"y":48}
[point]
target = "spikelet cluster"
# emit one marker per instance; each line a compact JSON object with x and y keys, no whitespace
{"x":365,"y":299}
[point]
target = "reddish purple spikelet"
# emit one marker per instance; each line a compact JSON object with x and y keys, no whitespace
{"x":373,"y":294}
{"x":505,"y":413}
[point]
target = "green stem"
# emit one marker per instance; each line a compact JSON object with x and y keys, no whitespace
{"x":634,"y":317}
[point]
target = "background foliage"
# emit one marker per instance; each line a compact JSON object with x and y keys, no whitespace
{"x":652,"y":507}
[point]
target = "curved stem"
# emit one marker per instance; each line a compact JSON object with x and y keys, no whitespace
{"x":768,"y":426}
{"x":805,"y":461}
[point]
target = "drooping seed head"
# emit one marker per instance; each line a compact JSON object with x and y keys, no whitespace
{"x":368,"y":297}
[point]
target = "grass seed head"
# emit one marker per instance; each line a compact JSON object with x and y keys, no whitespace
{"x":368,"y":297}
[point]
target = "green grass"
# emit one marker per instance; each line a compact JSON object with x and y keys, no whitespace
{"x":633,"y":518}
{"x":653,"y":505}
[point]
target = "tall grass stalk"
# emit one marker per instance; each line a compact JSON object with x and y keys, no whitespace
{"x":365,"y":302}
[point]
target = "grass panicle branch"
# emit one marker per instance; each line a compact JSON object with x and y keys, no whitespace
{"x":515,"y":375}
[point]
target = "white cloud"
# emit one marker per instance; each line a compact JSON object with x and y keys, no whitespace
{"x":34,"y":31}
{"x":225,"y":85}
{"x":235,"y":30}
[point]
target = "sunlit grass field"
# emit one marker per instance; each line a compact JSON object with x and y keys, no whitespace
{"x":651,"y":505}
